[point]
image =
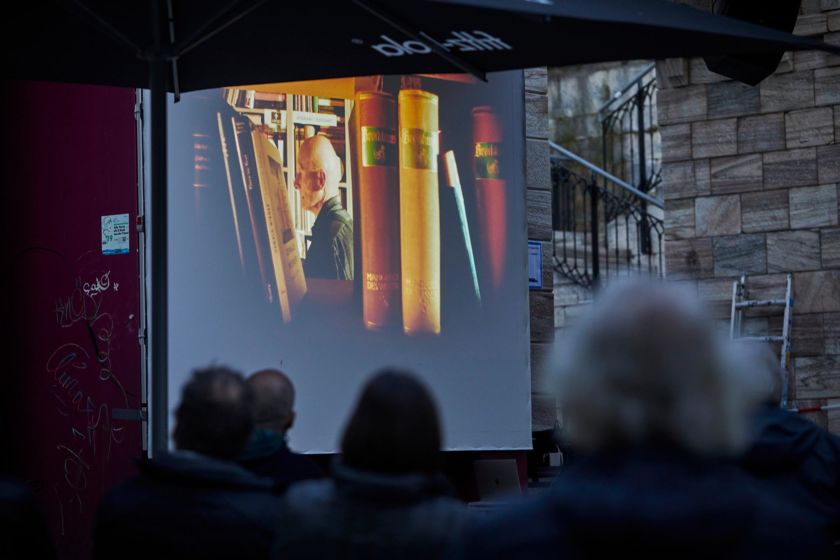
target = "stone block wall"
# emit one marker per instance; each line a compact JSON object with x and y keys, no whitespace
{"x":538,"y":204}
{"x":752,"y":183}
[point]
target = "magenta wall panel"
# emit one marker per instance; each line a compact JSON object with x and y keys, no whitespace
{"x":69,"y":159}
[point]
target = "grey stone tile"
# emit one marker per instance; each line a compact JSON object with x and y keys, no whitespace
{"x":689,"y":258}
{"x":732,"y":99}
{"x":714,"y":138}
{"x":678,"y":105}
{"x":817,"y":377}
{"x":809,"y":127}
{"x":740,"y":254}
{"x":812,"y":207}
{"x":828,"y":163}
{"x":787,"y":92}
{"x":830,"y":248}
{"x":789,"y":251}
{"x":817,"y":292}
{"x":676,"y":142}
{"x":827,"y":86}
{"x":792,"y":168}
{"x":679,"y":219}
{"x":717,"y":215}
{"x":737,"y":174}
{"x":762,"y":133}
{"x":685,"y":179}
{"x":764,"y":211}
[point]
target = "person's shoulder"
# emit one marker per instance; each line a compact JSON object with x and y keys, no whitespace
{"x":783,"y":529}
{"x":309,"y":494}
{"x":509,"y":531}
{"x":341,"y":224}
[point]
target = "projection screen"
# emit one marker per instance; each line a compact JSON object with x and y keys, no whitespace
{"x":337,"y":227}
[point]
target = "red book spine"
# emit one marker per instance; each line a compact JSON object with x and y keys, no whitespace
{"x":491,"y":197}
{"x":380,"y":209}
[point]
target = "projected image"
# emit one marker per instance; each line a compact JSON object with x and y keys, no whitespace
{"x":333,"y":227}
{"x":365,"y":190}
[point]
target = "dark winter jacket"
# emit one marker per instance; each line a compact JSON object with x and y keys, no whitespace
{"x":23,"y":529}
{"x":800,"y":462}
{"x":184,"y":505}
{"x":363,"y":515}
{"x":268,"y":455}
{"x":646,"y":504}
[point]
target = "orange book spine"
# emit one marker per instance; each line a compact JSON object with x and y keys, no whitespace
{"x":491,"y":194}
{"x":419,"y":211}
{"x":379,"y":200}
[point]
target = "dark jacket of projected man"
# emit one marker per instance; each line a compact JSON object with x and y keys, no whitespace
{"x":330,"y":255}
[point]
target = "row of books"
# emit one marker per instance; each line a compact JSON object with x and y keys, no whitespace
{"x":399,"y":172}
{"x":254,"y":100}
{"x":398,"y":167}
{"x":257,"y":189}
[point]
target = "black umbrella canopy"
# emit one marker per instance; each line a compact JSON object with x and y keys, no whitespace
{"x":218,"y":42}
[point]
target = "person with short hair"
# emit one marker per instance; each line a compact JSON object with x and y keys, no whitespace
{"x":330,"y":254}
{"x":388,"y":499}
{"x":652,"y":402}
{"x":194,"y":502}
{"x":790,"y":456}
{"x":267,"y":452}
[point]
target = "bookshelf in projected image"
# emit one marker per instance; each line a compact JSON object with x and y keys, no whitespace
{"x":309,"y":115}
{"x":259,"y":202}
{"x":409,"y":234}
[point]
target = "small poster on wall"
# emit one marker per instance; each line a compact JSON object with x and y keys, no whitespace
{"x":535,"y":265}
{"x":115,"y":234}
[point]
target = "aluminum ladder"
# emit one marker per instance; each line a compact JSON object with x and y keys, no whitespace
{"x":741,"y":301}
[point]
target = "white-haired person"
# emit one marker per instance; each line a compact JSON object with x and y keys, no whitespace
{"x":654,"y":408}
{"x":790,"y":456}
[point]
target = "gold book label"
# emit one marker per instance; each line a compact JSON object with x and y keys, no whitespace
{"x":487,"y":160}
{"x":419,"y":148}
{"x":382,"y":282}
{"x":379,"y":147}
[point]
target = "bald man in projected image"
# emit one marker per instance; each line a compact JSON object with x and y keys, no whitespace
{"x":330,"y":254}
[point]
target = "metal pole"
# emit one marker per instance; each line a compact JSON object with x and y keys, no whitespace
{"x":593,"y":229}
{"x":609,"y":176}
{"x":643,"y":183}
{"x":159,"y":323}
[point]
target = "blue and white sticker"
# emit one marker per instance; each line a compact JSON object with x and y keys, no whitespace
{"x":115,"y":238}
{"x":535,"y":265}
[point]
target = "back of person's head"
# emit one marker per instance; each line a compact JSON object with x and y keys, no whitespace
{"x":274,"y":400}
{"x":215,"y":417}
{"x":646,"y":367}
{"x":394,"y":428}
{"x":758,"y":361}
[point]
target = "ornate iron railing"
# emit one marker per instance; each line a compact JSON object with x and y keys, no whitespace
{"x":630,"y":140}
{"x":608,"y":221}
{"x":603,"y":226}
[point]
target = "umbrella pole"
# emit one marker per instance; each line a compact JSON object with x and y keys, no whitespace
{"x":160,"y":259}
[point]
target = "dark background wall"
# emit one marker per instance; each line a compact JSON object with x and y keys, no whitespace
{"x":69,"y":157}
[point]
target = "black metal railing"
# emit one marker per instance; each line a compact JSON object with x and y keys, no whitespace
{"x":603,"y":226}
{"x":630,"y":140}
